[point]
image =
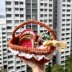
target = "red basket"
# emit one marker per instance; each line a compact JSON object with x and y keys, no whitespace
{"x":13,"y":43}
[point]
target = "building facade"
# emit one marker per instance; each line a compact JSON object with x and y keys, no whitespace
{"x":18,"y":11}
{"x":3,"y":44}
{"x":64,"y":11}
{"x":55,"y":13}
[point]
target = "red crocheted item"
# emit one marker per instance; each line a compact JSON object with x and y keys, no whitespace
{"x":25,"y":45}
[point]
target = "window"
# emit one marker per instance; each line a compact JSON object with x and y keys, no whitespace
{"x":45,"y":20}
{"x":63,"y":10}
{"x":66,"y":51}
{"x":63,"y":38}
{"x":9,"y":27}
{"x":63,"y":24}
{"x":8,"y":3}
{"x":16,"y":2}
{"x":41,"y":20}
{"x":8,"y":21}
{"x":63,"y":34}
{"x":62,"y":52}
{"x":9,"y":51}
{"x":63,"y":15}
{"x":41,"y":9}
{"x":67,"y":38}
{"x":10,"y":62}
{"x":17,"y":62}
{"x":21,"y":15}
{"x":10,"y":56}
{"x":63,"y":19}
{"x":0,"y":58}
{"x":50,"y":5}
{"x":67,"y":42}
{"x":67,"y":24}
{"x":5,"y":61}
{"x":16,"y":21}
{"x":68,"y":10}
{"x":21,"y":9}
{"x":50,"y":20}
{"x":50,"y":10}
{"x":50,"y":14}
{"x":63,"y":5}
{"x":62,"y":57}
{"x":23,"y":66}
{"x":18,"y":67}
{"x":67,"y":56}
{"x":63,"y":29}
{"x":8,"y":9}
{"x":68,"y":29}
{"x":11,"y":67}
{"x":68,"y":5}
{"x":9,"y":33}
{"x":4,"y":49}
{"x":62,"y":61}
{"x":4,"y":37}
{"x":16,"y":9}
{"x":4,"y":41}
{"x":67,"y":33}
{"x":3,"y":32}
{"x":16,"y":15}
{"x":68,"y":19}
{"x":34,"y":0}
{"x":68,"y":0}
{"x":68,"y":14}
{"x":22,"y":71}
{"x":45,"y":9}
{"x":45,"y":15}
{"x":3,"y":28}
{"x":21,"y":2}
{"x":21,"y":20}
{"x":41,"y":4}
{"x":63,"y":0}
{"x":8,"y":15}
{"x":41,"y":15}
{"x":45,"y":4}
{"x":5,"y":57}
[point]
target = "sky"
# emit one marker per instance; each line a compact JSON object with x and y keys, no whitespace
{"x":2,"y":7}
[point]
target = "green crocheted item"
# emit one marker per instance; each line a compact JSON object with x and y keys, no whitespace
{"x":46,"y":36}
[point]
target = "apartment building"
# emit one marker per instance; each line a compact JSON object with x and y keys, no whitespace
{"x":3,"y":44}
{"x":64,"y":11}
{"x":15,"y":14}
{"x":18,"y":11}
{"x":55,"y":13}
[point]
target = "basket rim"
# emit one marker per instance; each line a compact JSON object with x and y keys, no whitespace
{"x":28,"y":50}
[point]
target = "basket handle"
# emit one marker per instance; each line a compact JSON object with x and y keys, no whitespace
{"x":34,"y":22}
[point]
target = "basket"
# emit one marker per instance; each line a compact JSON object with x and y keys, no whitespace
{"x":13,"y":43}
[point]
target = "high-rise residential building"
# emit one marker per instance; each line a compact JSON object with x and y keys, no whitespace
{"x":15,"y":14}
{"x":63,"y":28}
{"x":18,"y":11}
{"x":55,"y":13}
{"x":3,"y":43}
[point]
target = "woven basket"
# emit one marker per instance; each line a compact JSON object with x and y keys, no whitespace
{"x":13,"y":43}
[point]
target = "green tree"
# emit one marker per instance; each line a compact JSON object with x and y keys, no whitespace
{"x":57,"y":68}
{"x":68,"y":64}
{"x":48,"y":68}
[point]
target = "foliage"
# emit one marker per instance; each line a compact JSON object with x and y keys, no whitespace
{"x":57,"y":68}
{"x":48,"y":68}
{"x":69,"y":64}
